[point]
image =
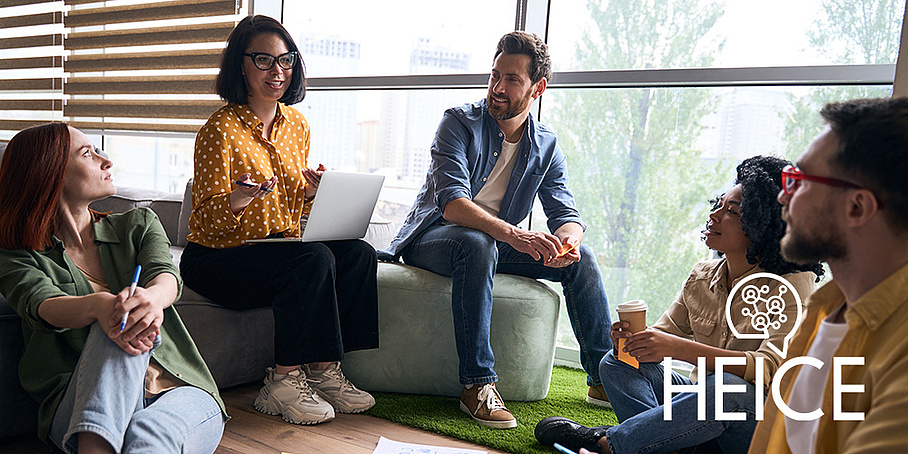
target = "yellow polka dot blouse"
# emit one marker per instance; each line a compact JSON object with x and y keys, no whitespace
{"x":231,"y":144}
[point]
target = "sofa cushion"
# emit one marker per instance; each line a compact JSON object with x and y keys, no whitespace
{"x":417,"y":353}
{"x":18,"y":411}
{"x":185,"y":212}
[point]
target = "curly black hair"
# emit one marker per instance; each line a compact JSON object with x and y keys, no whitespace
{"x":760,"y":178}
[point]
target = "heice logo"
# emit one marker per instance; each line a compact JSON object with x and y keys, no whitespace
{"x":767,"y":312}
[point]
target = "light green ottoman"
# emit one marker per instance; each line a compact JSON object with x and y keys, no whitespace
{"x":416,"y":353}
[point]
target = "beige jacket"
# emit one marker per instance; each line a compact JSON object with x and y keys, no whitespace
{"x":698,"y":314}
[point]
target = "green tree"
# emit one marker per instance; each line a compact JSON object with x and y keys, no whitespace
{"x":639,"y":179}
{"x":846,"y":32}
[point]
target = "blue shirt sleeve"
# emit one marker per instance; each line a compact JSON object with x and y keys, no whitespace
{"x":450,"y":171}
{"x":557,"y":200}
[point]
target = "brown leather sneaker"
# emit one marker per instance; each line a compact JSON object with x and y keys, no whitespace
{"x":597,"y":396}
{"x":484,"y":405}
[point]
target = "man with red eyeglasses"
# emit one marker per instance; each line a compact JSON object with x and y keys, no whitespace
{"x":847,"y":203}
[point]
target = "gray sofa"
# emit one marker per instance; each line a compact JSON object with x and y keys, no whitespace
{"x":416,"y":333}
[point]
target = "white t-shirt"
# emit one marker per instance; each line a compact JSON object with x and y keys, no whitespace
{"x":810,"y":386}
{"x":489,"y":197}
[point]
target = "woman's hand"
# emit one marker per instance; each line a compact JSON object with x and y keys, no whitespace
{"x":313,"y":177}
{"x":105,"y":312}
{"x":243,"y":195}
{"x":145,"y":315}
{"x":138,"y":345}
{"x":651,"y":346}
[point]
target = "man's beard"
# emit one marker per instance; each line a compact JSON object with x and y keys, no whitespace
{"x":512,"y":110}
{"x":822,"y":243}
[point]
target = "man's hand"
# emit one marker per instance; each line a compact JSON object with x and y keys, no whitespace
{"x":569,"y":235}
{"x":539,"y":245}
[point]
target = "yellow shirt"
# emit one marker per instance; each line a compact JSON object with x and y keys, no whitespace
{"x":876,"y":332}
{"x":232,"y":143}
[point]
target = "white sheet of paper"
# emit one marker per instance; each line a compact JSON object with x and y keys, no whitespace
{"x":386,"y":446}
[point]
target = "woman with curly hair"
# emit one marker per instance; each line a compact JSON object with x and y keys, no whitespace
{"x":745,"y":227}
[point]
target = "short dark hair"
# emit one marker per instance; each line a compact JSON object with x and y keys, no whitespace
{"x":230,"y":83}
{"x":518,"y":42}
{"x":873,"y":150}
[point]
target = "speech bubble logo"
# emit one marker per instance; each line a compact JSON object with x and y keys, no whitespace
{"x":765,"y":309}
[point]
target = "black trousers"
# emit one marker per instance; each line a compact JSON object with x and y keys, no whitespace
{"x":324,"y":295}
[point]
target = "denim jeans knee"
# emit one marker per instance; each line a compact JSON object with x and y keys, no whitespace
{"x":470,"y":258}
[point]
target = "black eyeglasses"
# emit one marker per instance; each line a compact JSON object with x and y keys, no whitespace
{"x":265,"y":61}
{"x":791,"y":177}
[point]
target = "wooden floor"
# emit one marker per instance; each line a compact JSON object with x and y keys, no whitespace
{"x":251,"y":432}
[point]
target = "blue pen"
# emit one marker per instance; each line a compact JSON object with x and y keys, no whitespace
{"x":562,"y":449}
{"x":132,"y":290}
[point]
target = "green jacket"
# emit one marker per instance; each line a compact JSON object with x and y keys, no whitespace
{"x":28,"y":278}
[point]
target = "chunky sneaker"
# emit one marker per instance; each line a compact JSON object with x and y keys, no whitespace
{"x":332,"y":386}
{"x":484,"y":404}
{"x":569,"y":434}
{"x":291,"y":397}
{"x":597,"y":396}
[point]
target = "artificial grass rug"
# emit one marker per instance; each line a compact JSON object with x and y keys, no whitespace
{"x":567,"y":397}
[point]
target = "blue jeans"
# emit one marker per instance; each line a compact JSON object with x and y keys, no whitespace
{"x":471,"y":258}
{"x":637,"y":398}
{"x":105,"y":396}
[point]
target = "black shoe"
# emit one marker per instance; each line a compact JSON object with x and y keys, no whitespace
{"x":569,"y":434}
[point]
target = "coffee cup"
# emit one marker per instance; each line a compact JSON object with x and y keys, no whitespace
{"x":634,"y":313}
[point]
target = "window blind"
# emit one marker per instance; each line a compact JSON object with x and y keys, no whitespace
{"x":31,"y":64}
{"x":144,"y":67}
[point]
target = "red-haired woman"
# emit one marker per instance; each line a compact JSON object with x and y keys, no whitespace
{"x":66,"y":270}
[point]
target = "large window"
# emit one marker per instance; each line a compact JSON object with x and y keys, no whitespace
{"x":644,"y":173}
{"x":648,"y":34}
{"x":654,"y":103}
{"x":380,"y":131}
{"x":357,"y":38}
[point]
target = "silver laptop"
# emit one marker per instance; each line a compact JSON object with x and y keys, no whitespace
{"x":342,"y":208}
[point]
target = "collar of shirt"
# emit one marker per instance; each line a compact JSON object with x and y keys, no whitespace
{"x":529,"y":132}
{"x":871,"y":309}
{"x":104,"y":233}
{"x":249,"y":118}
{"x":720,"y":275}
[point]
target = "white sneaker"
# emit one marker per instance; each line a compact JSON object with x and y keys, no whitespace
{"x":291,"y":397}
{"x":332,"y":386}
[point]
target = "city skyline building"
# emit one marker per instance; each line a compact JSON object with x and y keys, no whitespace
{"x":331,"y":115}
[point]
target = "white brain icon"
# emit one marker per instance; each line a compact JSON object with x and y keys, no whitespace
{"x":772,"y":316}
{"x":765,"y":311}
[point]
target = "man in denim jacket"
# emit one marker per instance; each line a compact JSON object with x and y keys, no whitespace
{"x":490,"y":159}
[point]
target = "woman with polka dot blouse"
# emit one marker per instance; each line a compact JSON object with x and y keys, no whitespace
{"x":251,"y":180}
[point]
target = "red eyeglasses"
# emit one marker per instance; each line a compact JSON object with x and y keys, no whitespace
{"x":791,"y":177}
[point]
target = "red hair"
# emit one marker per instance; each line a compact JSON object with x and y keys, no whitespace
{"x":31,"y":182}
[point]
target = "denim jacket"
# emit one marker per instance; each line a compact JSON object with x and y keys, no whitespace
{"x":466,"y":147}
